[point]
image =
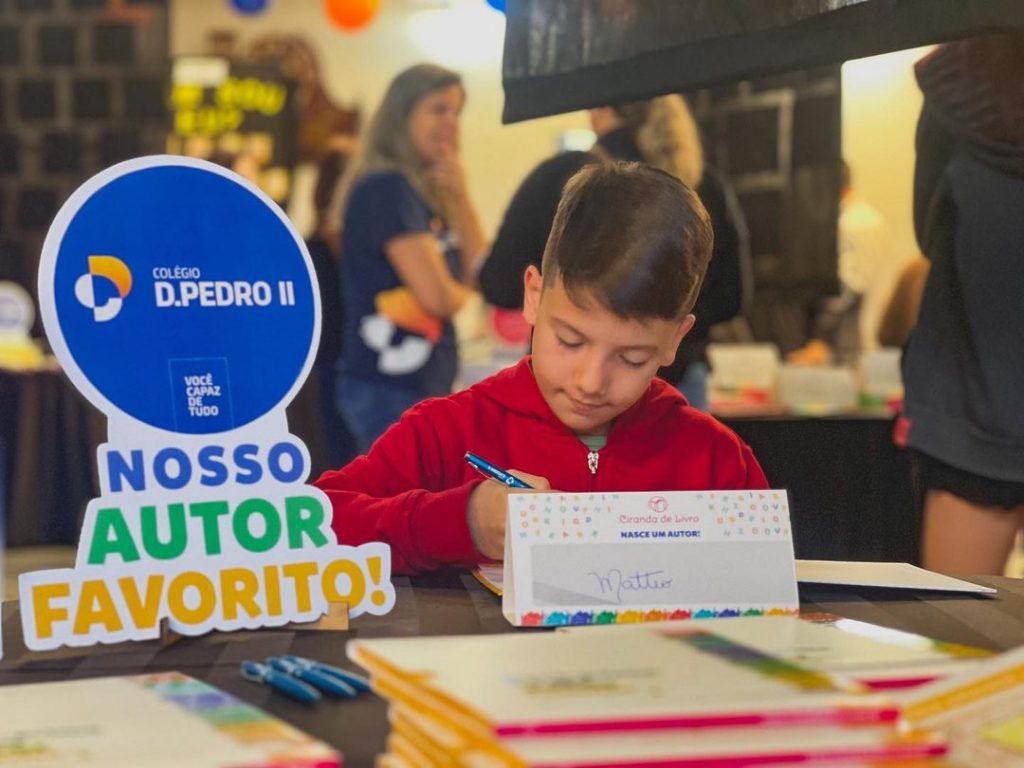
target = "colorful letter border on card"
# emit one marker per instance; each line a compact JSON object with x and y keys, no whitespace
{"x":584,"y":618}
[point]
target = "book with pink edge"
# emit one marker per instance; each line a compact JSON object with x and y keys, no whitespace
{"x":419,"y":739}
{"x":878,"y":657}
{"x":597,"y":682}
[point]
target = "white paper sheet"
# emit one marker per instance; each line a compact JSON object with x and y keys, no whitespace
{"x":888,"y":575}
{"x":839,"y":572}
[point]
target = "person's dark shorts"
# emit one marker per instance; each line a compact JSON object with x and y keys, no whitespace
{"x":984,"y":491}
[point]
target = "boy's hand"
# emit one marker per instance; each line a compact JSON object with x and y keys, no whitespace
{"x":488,"y":508}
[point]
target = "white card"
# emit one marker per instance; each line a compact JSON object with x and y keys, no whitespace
{"x":885,"y":575}
{"x":607,"y":558}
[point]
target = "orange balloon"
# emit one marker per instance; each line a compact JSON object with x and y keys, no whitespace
{"x":351,"y":14}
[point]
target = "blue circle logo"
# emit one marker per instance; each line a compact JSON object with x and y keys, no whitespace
{"x":179,"y":295}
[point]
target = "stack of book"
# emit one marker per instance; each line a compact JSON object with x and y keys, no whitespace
{"x":159,"y":720}
{"x":980,"y":710}
{"x":880,"y":658}
{"x":660,"y":695}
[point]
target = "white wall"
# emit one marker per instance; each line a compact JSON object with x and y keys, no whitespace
{"x":881,"y":104}
{"x":466,"y":35}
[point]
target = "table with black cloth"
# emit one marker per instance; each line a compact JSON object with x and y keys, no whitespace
{"x":851,"y":494}
{"x":850,"y":487}
{"x":455,"y":603}
{"x":48,"y":439}
{"x":49,"y":434}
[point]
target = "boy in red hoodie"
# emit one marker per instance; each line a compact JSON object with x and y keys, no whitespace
{"x":623,"y":265}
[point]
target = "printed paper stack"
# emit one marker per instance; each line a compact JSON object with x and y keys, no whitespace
{"x":601,"y":698}
{"x":157,"y":720}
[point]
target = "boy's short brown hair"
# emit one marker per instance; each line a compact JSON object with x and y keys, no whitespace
{"x":636,"y":238}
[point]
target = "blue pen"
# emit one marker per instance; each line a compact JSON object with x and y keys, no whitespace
{"x":289,"y":686}
{"x":358,"y":682}
{"x":321,"y":681}
{"x":494,"y":473}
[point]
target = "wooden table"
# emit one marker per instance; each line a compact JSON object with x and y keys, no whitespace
{"x":455,"y":603}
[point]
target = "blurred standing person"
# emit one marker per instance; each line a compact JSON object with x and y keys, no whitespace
{"x":963,"y":369}
{"x":662,"y":133}
{"x":410,"y":237}
{"x":846,"y":325}
{"x":324,"y":247}
{"x":900,"y":315}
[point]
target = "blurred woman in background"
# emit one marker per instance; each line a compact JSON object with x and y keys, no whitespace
{"x":410,"y":236}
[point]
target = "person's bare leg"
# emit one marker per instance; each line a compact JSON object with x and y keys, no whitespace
{"x":962,"y":538}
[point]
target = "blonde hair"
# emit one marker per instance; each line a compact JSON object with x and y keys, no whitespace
{"x":386,"y":144}
{"x":667,"y":136}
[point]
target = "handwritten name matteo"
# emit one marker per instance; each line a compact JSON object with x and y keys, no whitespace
{"x":614,"y":582}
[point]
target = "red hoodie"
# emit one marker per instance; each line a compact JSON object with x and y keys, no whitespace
{"x":413,"y":487}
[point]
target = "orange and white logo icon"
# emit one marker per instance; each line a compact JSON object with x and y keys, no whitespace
{"x":108,"y":269}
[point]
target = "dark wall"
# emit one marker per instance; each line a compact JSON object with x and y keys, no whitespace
{"x":778,"y":140}
{"x":81,"y":88}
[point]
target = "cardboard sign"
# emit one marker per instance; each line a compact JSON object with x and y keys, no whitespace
{"x":183,"y":305}
{"x":625,"y":557}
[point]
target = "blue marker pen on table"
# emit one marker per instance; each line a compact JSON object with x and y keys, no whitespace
{"x":289,"y":686}
{"x":360,"y":683}
{"x":494,"y":473}
{"x":319,"y":680}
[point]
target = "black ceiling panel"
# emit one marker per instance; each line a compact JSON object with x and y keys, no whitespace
{"x":574,"y":54}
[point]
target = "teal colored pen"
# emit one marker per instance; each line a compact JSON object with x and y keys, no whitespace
{"x":320,"y":680}
{"x":493,"y":472}
{"x":289,"y":686}
{"x":358,"y":682}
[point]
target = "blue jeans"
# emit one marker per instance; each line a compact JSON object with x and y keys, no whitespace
{"x":341,"y":446}
{"x":694,"y":385}
{"x":370,"y":407}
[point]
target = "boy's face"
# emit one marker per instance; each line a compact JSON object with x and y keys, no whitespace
{"x":591,"y":364}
